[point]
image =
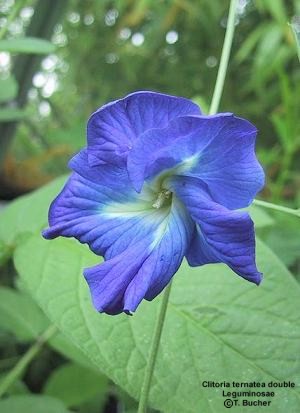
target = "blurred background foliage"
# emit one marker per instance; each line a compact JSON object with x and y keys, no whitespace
{"x":106,"y":49}
{"x":61,"y":60}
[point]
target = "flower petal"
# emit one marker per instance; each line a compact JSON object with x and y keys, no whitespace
{"x":114,"y":127}
{"x":144,"y":268}
{"x":225,"y":236}
{"x":158,"y":150}
{"x":218,"y":150}
{"x":100,"y":215}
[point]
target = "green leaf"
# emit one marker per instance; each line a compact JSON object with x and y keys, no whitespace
{"x":20,"y":315}
{"x":260,"y":217}
{"x":11,"y":114}
{"x":28,"y":214}
{"x":30,"y":45}
{"x":74,"y":384}
{"x":71,"y":352}
{"x":218,"y":327}
{"x":31,"y":404}
{"x":8,"y":89}
{"x":283,"y":238}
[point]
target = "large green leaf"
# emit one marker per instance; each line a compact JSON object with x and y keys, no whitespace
{"x":31,"y":45}
{"x":218,"y":327}
{"x":32,"y":404}
{"x":74,"y":384}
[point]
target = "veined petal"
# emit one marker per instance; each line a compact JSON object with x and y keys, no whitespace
{"x":177,"y":146}
{"x":218,"y":150}
{"x":101,"y":215}
{"x":144,"y":268}
{"x":223,"y":235}
{"x":143,"y":245}
{"x":110,"y":176}
{"x":113,"y":129}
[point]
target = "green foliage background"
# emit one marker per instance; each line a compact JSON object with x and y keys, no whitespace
{"x":218,"y":327}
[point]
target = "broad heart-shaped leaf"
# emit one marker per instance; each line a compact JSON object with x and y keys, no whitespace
{"x":30,"y":45}
{"x":32,"y":404}
{"x":218,"y":327}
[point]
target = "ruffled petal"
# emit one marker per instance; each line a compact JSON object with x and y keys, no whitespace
{"x":223,"y":235}
{"x":173,"y":149}
{"x":113,"y":129}
{"x":143,"y":245}
{"x":144,"y":268}
{"x":111,"y":176}
{"x":218,"y":150}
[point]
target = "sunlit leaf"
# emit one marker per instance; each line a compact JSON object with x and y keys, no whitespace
{"x":218,"y":326}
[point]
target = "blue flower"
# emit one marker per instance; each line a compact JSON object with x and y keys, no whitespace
{"x":158,"y":182}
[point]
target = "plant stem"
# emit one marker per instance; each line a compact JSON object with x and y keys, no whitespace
{"x":276,"y":207}
{"x":153,"y":351}
{"x":224,"y":59}
{"x":15,"y":10}
{"x":26,"y":359}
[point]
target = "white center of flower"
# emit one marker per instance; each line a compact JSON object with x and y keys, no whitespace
{"x":162,"y":197}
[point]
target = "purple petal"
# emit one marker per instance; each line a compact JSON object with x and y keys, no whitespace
{"x":144,"y":268}
{"x":218,"y":150}
{"x":225,"y":236}
{"x":113,"y":129}
{"x":107,"y":218}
